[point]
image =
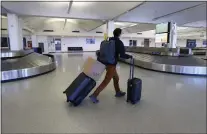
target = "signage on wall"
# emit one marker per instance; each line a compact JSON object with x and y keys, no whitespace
{"x":90,"y":40}
{"x":190,"y":43}
{"x":205,"y":42}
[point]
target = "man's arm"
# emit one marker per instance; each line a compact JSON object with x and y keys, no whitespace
{"x":97,"y":53}
{"x":122,"y":51}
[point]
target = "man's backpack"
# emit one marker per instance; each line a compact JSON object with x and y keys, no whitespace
{"x":107,"y":52}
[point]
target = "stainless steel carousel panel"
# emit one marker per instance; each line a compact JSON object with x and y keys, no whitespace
{"x":178,"y":65}
{"x":30,"y":65}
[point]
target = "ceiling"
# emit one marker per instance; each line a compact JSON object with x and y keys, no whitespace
{"x":88,"y":16}
{"x":83,"y":10}
{"x":158,"y":12}
{"x":38,"y":24}
{"x":60,"y":24}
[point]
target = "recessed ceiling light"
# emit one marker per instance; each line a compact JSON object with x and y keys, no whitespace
{"x":3,"y":17}
{"x":133,"y":25}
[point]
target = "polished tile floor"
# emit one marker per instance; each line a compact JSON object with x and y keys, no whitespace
{"x":170,"y":103}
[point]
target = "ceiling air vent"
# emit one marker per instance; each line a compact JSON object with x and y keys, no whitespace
{"x":48,"y":31}
{"x":139,"y":33}
{"x":99,"y":32}
{"x":76,"y":31}
{"x":3,"y":29}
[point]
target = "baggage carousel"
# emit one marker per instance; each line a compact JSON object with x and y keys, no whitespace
{"x":21,"y":65}
{"x":188,"y":65}
{"x":6,"y":54}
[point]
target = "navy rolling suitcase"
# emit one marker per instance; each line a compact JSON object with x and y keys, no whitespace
{"x":79,"y":89}
{"x":134,"y":86}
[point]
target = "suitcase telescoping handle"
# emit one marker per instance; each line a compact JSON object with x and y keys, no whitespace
{"x":131,"y":74}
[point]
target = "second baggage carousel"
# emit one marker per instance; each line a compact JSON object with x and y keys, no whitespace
{"x":29,"y":65}
{"x":180,"y":65}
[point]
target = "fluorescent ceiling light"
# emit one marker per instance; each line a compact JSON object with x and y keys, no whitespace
{"x":81,"y":4}
{"x":55,"y":19}
{"x":182,"y":28}
{"x":3,"y":17}
{"x":72,"y":21}
{"x":129,"y":26}
{"x":62,"y":20}
{"x":133,"y":25}
{"x":119,"y":23}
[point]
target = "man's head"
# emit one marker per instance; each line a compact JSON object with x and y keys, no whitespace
{"x":117,"y":32}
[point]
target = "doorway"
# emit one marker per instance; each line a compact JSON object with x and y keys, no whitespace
{"x":41,"y":46}
{"x":57,"y":45}
{"x":146,"y":42}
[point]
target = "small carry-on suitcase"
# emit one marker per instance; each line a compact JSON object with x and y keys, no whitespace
{"x":134,"y":86}
{"x":79,"y":89}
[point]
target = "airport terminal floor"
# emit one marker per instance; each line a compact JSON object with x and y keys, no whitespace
{"x":170,"y":103}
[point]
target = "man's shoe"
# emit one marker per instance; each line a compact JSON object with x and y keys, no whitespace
{"x":94,"y":99}
{"x":120,"y":94}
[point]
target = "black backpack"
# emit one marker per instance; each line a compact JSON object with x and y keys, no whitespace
{"x":106,"y":53}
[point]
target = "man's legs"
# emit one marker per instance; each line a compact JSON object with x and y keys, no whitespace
{"x":119,"y":93}
{"x":110,"y":70}
{"x":116,"y":81}
{"x":110,"y":73}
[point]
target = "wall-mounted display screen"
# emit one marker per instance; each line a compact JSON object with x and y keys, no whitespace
{"x":162,"y":28}
{"x":90,"y":40}
{"x":205,"y":42}
{"x":4,"y":42}
{"x":161,"y":38}
{"x":190,"y":43}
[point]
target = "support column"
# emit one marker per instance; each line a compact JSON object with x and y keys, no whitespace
{"x":34,"y":41}
{"x":110,"y":28}
{"x":173,"y":35}
{"x":15,"y":32}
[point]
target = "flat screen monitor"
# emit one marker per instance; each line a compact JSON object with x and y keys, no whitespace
{"x":90,"y":41}
{"x":161,"y":38}
{"x":205,"y":42}
{"x":162,"y":28}
{"x":4,"y":42}
{"x":191,"y":43}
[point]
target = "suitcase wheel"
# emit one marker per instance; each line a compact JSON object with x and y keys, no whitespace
{"x":67,"y":99}
{"x":134,"y":102}
{"x":75,"y":105}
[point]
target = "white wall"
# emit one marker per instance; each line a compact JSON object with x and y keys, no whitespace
{"x":182,"y":43}
{"x":140,"y":41}
{"x":80,"y":42}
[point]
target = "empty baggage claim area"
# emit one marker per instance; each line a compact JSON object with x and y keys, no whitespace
{"x":43,"y":50}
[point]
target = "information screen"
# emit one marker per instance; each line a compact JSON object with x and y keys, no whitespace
{"x":162,"y":28}
{"x":161,"y":38}
{"x":205,"y":42}
{"x":190,"y":43}
{"x":90,"y":41}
